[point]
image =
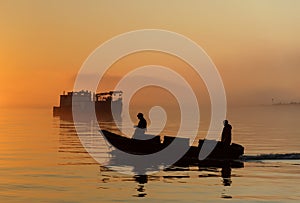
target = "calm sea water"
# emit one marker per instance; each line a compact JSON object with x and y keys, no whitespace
{"x":42,"y":160}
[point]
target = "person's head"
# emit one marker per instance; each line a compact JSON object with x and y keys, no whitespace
{"x":140,"y":115}
{"x":225,"y":122}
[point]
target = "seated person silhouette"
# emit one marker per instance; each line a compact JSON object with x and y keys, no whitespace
{"x":226,"y":134}
{"x":140,"y":128}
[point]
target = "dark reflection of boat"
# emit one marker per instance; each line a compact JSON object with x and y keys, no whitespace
{"x":141,"y":180}
{"x":176,"y":174}
{"x":217,"y":157}
{"x":226,"y":177}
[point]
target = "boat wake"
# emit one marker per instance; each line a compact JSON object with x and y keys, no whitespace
{"x":288,"y":156}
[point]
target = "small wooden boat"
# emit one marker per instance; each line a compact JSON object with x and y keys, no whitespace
{"x":219,"y":155}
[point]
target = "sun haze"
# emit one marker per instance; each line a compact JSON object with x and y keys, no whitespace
{"x":254,"y":44}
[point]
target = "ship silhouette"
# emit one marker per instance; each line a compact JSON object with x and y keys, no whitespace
{"x":106,"y":105}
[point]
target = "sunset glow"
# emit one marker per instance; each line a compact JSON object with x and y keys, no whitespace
{"x":254,"y":44}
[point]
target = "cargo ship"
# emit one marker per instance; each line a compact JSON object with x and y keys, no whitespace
{"x":107,"y":105}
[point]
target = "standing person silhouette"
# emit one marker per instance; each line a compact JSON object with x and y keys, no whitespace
{"x":226,"y":134}
{"x":140,"y":128}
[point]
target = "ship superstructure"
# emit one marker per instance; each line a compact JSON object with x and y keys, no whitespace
{"x":106,"y":104}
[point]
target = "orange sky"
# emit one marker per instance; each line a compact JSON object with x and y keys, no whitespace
{"x":254,"y":44}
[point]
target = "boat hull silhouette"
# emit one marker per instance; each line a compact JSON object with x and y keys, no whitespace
{"x":218,"y":156}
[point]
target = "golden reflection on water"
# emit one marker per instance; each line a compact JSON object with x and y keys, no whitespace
{"x":42,"y":160}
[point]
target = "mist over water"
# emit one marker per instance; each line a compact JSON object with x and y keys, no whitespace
{"x":42,"y":160}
